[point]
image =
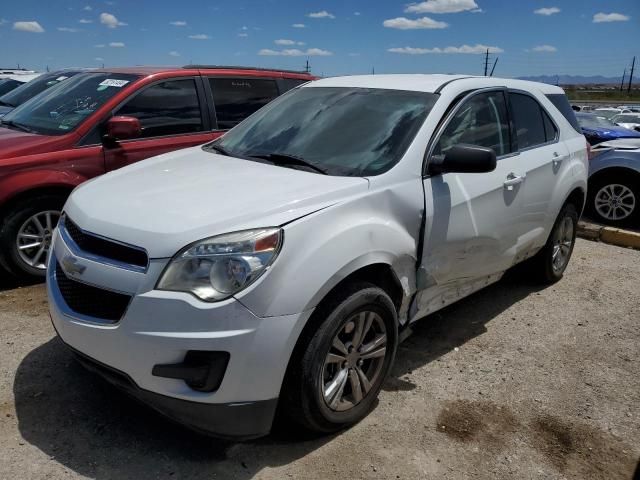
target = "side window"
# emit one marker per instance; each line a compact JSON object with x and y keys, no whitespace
{"x":527,"y":116}
{"x":167,"y":108}
{"x":287,"y":84}
{"x":482,"y":121}
{"x":550,"y":130}
{"x":237,"y":98}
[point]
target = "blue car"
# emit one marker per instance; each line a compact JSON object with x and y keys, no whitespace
{"x":613,"y":194}
{"x":598,"y":129}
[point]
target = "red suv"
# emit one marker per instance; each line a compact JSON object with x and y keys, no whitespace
{"x":101,"y":120}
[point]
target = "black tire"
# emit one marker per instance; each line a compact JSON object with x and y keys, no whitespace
{"x":625,"y":180}
{"x":302,"y":400}
{"x":540,"y":267}
{"x":14,"y":217}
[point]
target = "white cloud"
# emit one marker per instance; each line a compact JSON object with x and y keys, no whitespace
{"x":244,"y":27}
{"x":403,"y":23}
{"x":85,"y":21}
{"x":294,"y":52}
{"x":67,"y":29}
{"x":243,"y":35}
{"x":299,"y":25}
{"x":3,"y":21}
{"x":321,"y":14}
{"x":284,"y":41}
{"x":99,"y":59}
{"x":178,"y":23}
{"x":87,"y":8}
{"x":173,"y":53}
{"x":610,"y":17}
{"x":199,"y":36}
{"x":545,"y":48}
{"x":547,"y":11}
{"x":110,"y":20}
{"x":464,"y":49}
{"x":353,"y":54}
{"x":116,"y":44}
{"x":441,"y":6}
{"x":357,"y":14}
{"x":100,"y":45}
{"x":33,"y":27}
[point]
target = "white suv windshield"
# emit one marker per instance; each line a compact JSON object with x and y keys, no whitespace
{"x":343,"y":131}
{"x":63,"y":107}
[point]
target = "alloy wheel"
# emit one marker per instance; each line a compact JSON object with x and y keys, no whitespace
{"x":34,"y":238}
{"x":562,"y":243}
{"x":354,"y":361}
{"x":615,"y":202}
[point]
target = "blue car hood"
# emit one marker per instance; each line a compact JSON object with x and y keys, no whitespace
{"x":4,"y":110}
{"x":611,"y":132}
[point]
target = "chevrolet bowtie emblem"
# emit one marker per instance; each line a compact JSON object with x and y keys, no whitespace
{"x":71,"y":265}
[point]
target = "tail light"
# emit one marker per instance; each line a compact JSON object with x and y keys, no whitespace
{"x":590,"y":153}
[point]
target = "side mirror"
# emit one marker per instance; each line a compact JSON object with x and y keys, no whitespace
{"x":463,"y":158}
{"x":122,"y":128}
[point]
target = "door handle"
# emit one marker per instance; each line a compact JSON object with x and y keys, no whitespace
{"x":557,"y":158}
{"x":513,"y":180}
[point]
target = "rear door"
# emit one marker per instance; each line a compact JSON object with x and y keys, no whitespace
{"x":235,"y":98}
{"x":173,"y":114}
{"x":542,"y":157}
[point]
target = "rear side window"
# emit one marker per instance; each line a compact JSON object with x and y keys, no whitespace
{"x":287,"y":84}
{"x":481,"y":120}
{"x":550,"y":130}
{"x":237,"y":98}
{"x":166,"y":108}
{"x":561,"y":102}
{"x":527,"y":116}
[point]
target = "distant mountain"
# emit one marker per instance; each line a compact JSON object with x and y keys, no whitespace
{"x":573,"y":79}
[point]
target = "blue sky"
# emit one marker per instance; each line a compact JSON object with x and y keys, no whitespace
{"x":530,"y":37}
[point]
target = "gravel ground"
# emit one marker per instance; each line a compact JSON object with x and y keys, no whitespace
{"x":513,"y":382}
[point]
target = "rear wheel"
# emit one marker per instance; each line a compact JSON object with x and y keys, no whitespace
{"x":614,"y":199}
{"x":26,"y":233}
{"x":549,"y":264}
{"x":338,"y":369}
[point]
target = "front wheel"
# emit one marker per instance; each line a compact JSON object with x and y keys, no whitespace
{"x":26,"y":232}
{"x":338,"y":368}
{"x":549,"y":264}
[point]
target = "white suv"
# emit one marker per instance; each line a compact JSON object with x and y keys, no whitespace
{"x":280,"y":265}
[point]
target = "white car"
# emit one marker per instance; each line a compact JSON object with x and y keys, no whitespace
{"x":281,"y":264}
{"x":627,"y":120}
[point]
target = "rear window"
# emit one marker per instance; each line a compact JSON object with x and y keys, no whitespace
{"x":237,"y":98}
{"x":561,"y":102}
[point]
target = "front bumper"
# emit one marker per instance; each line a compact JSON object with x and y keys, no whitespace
{"x":160,"y":327}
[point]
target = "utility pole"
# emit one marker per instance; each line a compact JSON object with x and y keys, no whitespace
{"x":494,"y":66}
{"x":624,"y":74}
{"x":307,"y":68}
{"x":486,"y":62}
{"x":633,"y":64}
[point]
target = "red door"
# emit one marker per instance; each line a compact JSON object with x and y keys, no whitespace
{"x":173,"y":115}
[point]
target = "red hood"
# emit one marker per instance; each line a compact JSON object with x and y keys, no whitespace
{"x":14,"y":143}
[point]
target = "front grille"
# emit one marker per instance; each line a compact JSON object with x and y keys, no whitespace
{"x":105,"y":248}
{"x":91,"y":301}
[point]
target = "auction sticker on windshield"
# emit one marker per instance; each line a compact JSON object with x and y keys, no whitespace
{"x":110,"y":82}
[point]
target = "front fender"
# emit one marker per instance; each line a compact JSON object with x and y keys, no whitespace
{"x":322,"y":249}
{"x":20,"y":182}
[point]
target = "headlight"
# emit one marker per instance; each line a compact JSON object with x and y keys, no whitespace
{"x":218,"y":267}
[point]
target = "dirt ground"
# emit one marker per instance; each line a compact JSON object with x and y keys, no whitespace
{"x":513,"y":382}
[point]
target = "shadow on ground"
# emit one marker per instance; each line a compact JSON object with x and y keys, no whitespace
{"x":94,"y":430}
{"x":9,"y":282}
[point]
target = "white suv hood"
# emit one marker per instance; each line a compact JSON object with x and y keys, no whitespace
{"x":167,"y":202}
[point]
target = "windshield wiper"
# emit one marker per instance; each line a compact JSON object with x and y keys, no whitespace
{"x":221,"y":150}
{"x":18,"y":126}
{"x":288,"y":159}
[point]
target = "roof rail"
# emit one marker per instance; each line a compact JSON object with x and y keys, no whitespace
{"x":237,"y":67}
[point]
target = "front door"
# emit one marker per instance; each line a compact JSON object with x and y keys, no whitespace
{"x":172,"y":114}
{"x":473,"y":220}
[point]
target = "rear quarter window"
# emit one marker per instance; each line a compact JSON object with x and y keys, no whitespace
{"x":237,"y":98}
{"x":561,"y":102}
